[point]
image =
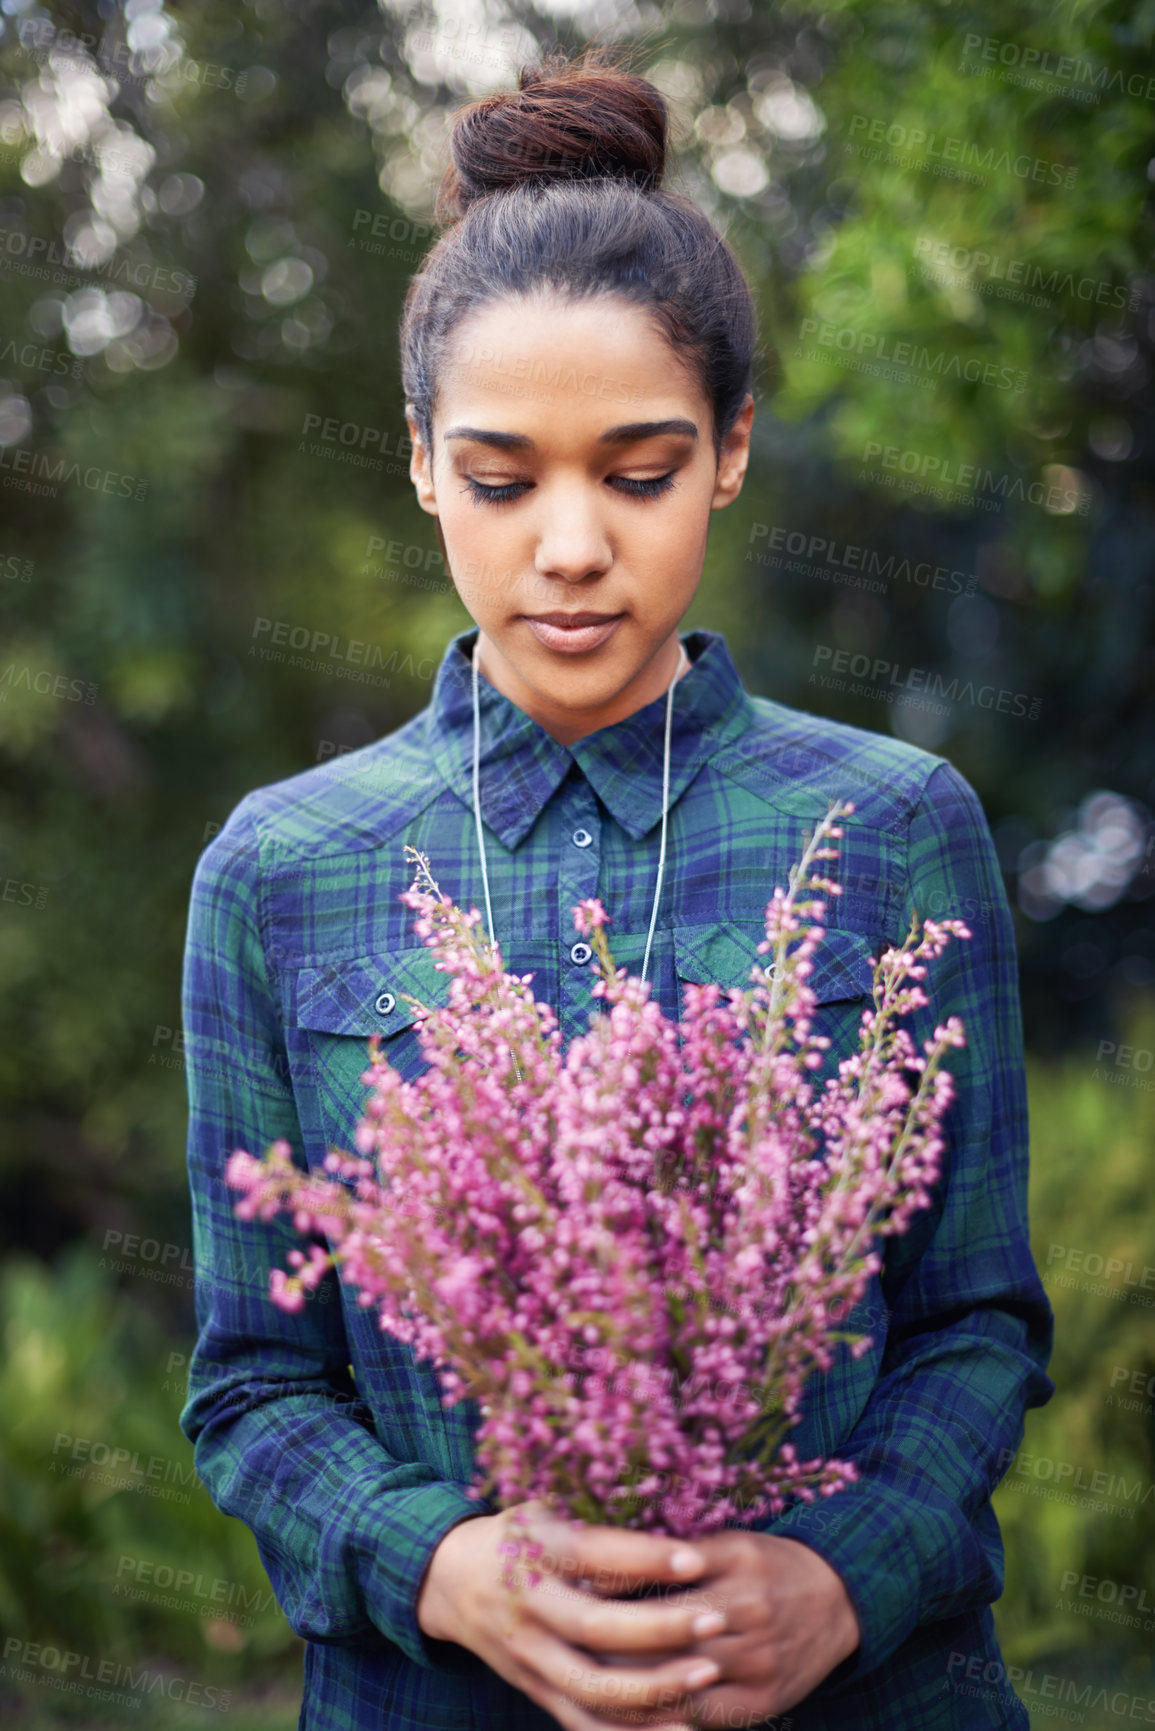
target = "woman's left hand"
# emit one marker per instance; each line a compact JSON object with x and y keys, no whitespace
{"x":789,"y":1622}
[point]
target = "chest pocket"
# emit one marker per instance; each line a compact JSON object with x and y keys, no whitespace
{"x":841,"y":976}
{"x":341,"y":1004}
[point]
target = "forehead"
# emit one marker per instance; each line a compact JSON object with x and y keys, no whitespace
{"x":560,"y":370}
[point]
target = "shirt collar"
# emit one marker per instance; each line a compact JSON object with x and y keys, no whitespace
{"x":521,"y":765}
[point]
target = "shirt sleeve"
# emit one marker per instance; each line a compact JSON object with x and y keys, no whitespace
{"x":970,"y":1327}
{"x":282,"y":1442}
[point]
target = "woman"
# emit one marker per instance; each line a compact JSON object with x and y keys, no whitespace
{"x":577,"y":357}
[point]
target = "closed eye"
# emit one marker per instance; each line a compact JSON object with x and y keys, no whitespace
{"x":644,"y":489}
{"x":510,"y":490}
{"x":496,"y":495}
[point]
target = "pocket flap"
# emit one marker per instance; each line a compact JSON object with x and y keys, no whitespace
{"x":363,"y":995}
{"x":725,"y":954}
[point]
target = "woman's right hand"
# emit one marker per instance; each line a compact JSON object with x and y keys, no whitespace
{"x":546,"y":1639}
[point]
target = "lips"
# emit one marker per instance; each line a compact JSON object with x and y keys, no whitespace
{"x":572,"y":633}
{"x":568,"y":621}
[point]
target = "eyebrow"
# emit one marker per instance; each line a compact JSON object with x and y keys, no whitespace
{"x":627,"y":434}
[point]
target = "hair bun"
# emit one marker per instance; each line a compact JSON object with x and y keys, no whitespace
{"x":582,"y":119}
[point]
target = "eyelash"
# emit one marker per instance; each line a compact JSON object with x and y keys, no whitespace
{"x":503,"y":495}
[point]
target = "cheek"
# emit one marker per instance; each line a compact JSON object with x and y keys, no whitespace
{"x":670,"y":543}
{"x":488,"y":565}
{"x":681,"y":519}
{"x":684,"y":528}
{"x":476,"y":539}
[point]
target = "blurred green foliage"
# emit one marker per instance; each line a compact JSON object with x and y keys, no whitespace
{"x":110,"y":1547}
{"x":1093,"y":1235}
{"x":1077,"y":1506}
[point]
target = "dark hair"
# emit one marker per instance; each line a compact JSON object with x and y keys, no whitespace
{"x":558,"y":184}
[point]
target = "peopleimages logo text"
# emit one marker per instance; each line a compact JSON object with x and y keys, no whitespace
{"x":900,"y":352}
{"x":972,"y":478}
{"x":885,"y":677}
{"x":1060,"y":68}
{"x":970,"y":264}
{"x":940,"y":147}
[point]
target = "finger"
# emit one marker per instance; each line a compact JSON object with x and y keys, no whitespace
{"x":610,"y":1689}
{"x":575,"y":1718}
{"x":733,"y":1708}
{"x":612,"y":1559}
{"x":626,"y":1626}
{"x":569,"y":1712}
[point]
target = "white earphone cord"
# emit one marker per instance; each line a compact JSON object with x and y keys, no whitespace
{"x":682,"y":659}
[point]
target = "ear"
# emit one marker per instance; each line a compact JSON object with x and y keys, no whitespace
{"x":733,"y":457}
{"x":420,"y":464}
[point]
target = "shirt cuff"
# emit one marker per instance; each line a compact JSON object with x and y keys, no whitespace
{"x":399,"y":1546}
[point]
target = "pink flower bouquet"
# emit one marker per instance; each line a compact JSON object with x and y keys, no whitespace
{"x":634,"y":1253}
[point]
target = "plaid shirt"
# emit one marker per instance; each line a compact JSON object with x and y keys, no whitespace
{"x":325,"y":1436}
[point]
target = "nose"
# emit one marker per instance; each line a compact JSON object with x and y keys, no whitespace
{"x":572,"y":543}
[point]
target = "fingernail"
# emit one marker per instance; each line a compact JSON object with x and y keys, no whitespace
{"x":708,"y":1623}
{"x":705,"y":1671}
{"x":686,"y":1562}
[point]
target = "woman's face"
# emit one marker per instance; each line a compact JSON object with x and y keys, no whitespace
{"x":573,"y":472}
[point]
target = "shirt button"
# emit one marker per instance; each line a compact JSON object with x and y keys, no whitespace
{"x":580,"y":953}
{"x":582,"y":838}
{"x":385,"y":1003}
